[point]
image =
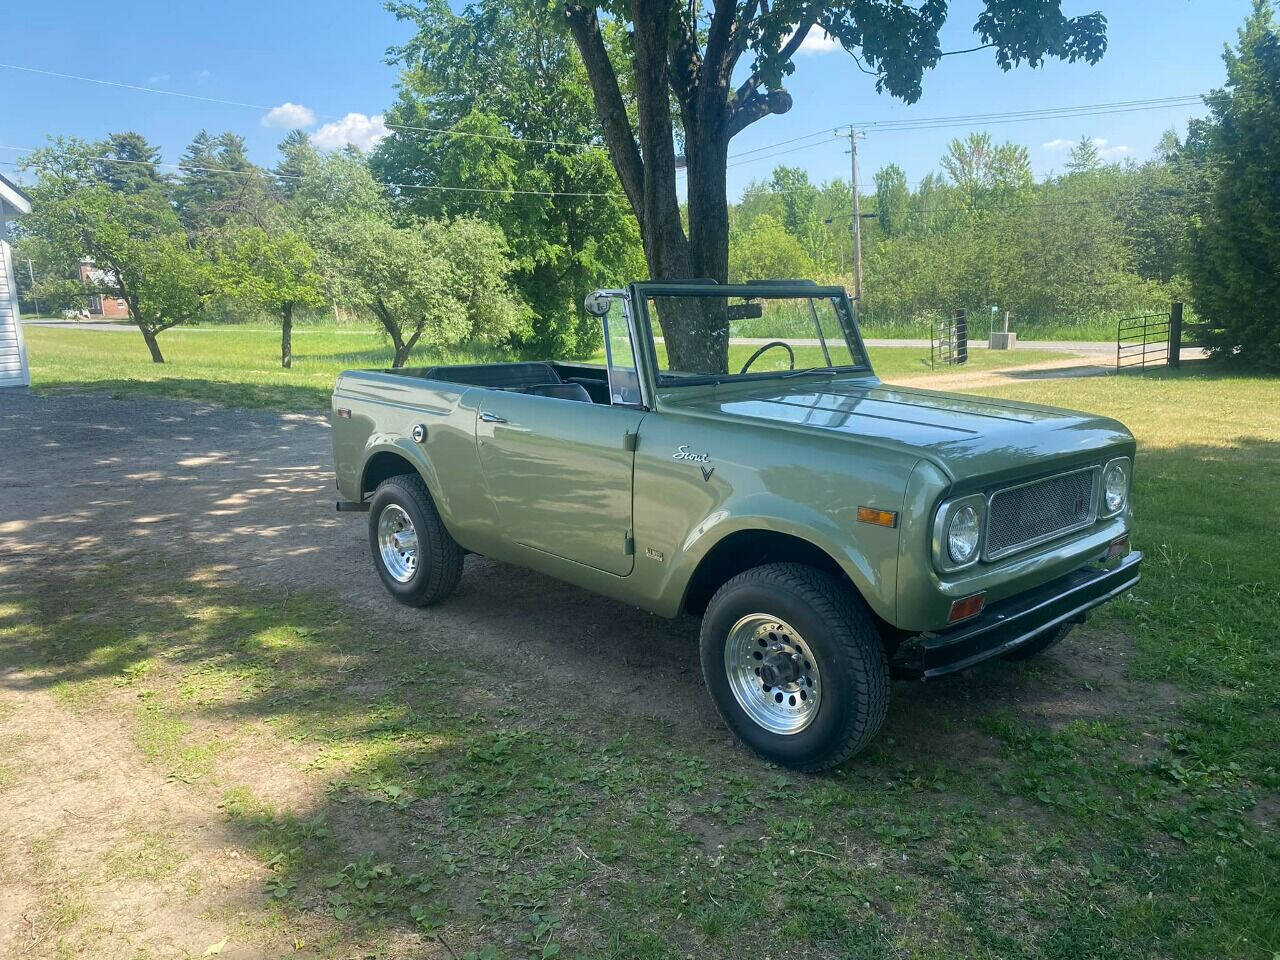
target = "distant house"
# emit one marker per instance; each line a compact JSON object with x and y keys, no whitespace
{"x":13,"y":352}
{"x":99,"y":305}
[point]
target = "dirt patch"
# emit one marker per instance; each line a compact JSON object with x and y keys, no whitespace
{"x":100,"y":854}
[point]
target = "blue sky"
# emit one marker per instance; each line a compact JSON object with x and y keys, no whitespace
{"x":326,"y":60}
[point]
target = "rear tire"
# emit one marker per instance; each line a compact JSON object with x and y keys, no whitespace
{"x":814,"y":639}
{"x":418,"y":561}
{"x":1039,"y":644}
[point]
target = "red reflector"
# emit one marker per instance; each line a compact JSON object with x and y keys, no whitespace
{"x":968,"y":607}
{"x":1118,"y":548}
{"x":344,"y":413}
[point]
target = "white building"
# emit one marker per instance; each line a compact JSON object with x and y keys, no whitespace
{"x":13,"y":352}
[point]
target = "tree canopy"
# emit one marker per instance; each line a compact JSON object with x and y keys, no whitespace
{"x":124,"y":224}
{"x":513,"y":92}
{"x":1235,"y":255}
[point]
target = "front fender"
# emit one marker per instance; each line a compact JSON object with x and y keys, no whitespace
{"x":866,"y":553}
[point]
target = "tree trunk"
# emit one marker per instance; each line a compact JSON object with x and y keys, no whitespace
{"x":401,"y":357}
{"x":286,"y":336}
{"x":149,"y":336}
{"x":699,"y":340}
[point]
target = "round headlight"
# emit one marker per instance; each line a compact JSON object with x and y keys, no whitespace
{"x":962,"y":535}
{"x":1115,"y":487}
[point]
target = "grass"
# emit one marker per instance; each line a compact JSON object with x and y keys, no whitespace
{"x":240,"y":366}
{"x":1119,"y":802}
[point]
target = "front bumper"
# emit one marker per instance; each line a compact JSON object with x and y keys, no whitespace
{"x":1012,"y":622}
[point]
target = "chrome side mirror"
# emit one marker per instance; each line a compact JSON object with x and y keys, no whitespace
{"x":597,"y":303}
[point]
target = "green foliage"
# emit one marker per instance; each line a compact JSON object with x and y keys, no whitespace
{"x":765,"y":250}
{"x":273,"y":270}
{"x":979,"y":166}
{"x":445,"y":281}
{"x":1235,"y":262}
{"x":128,"y":230}
{"x":1101,"y":241}
{"x":220,"y":185}
{"x":893,"y":198}
{"x":513,"y":88}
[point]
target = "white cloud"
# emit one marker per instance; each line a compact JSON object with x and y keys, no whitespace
{"x":1105,"y":150}
{"x":157,"y":78}
{"x":289,"y":116}
{"x":816,"y":40}
{"x":356,"y":129}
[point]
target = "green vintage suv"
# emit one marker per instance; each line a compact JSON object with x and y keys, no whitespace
{"x":735,"y":457}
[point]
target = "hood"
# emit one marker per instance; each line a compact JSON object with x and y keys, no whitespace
{"x":967,"y":436}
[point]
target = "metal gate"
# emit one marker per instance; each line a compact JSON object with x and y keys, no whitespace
{"x":949,"y":345}
{"x":1142,"y":340}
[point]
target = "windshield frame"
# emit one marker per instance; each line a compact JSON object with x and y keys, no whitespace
{"x":789,"y":289}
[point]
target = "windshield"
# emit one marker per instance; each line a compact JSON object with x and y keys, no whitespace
{"x":720,"y":337}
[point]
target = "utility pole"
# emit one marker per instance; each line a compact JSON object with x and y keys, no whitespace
{"x":856,"y":229}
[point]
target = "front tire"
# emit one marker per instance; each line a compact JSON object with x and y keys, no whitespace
{"x":418,"y":561}
{"x":795,"y":665}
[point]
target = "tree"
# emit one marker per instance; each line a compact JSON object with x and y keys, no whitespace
{"x":512,"y":88}
{"x":274,"y":270}
{"x":1235,"y":261}
{"x":767,"y":251}
{"x":1084,"y":157}
{"x":444,"y":282}
{"x":129,"y":163}
{"x":674,"y":66}
{"x":893,"y":199}
{"x":133,"y":239}
{"x":220,"y":185}
{"x":978,"y":165}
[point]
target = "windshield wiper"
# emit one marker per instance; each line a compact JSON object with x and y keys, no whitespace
{"x":830,"y":371}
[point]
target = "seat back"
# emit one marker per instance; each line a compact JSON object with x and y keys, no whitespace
{"x":561,"y":391}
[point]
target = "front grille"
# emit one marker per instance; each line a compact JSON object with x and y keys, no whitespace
{"x":1030,"y":513}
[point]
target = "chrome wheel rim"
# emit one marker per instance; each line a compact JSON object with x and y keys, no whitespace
{"x":397,"y":543}
{"x":761,"y":648}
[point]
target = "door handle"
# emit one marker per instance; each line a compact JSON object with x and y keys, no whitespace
{"x":492,"y":418}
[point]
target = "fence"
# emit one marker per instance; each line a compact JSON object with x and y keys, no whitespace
{"x":949,"y":345}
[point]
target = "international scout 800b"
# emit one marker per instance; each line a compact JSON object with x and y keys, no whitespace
{"x":735,"y":457}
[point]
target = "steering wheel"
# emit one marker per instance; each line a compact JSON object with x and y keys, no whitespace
{"x":769,"y":346}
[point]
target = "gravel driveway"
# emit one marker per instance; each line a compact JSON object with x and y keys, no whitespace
{"x":86,"y":477}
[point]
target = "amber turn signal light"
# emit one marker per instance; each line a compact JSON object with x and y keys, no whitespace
{"x":967,"y":607}
{"x":881,"y":518}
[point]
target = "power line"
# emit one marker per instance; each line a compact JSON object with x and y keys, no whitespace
{"x":756,"y":154}
{"x":280,"y":176}
{"x":441,"y":131}
{"x":937,"y":123}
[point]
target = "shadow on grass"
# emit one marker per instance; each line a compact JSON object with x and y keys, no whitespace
{"x":430,"y":794}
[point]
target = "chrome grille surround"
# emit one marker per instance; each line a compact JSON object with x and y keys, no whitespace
{"x":1027,"y":514}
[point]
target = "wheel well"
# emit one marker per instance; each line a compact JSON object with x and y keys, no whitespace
{"x":740,"y":551}
{"x":380,"y":467}
{"x":745,"y":549}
